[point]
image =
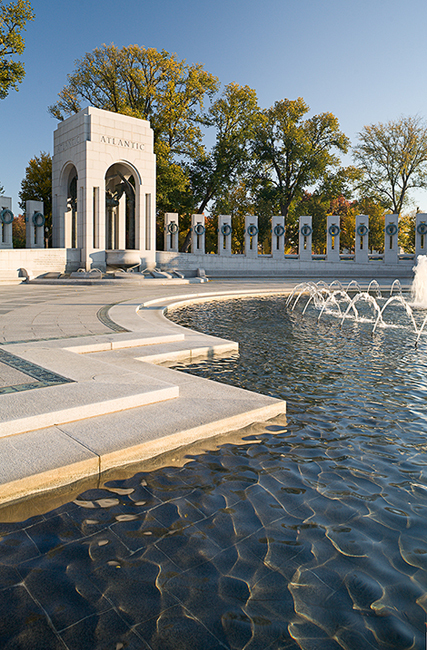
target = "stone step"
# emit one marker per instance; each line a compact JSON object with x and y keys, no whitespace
{"x":11,"y":277}
{"x":56,"y":405}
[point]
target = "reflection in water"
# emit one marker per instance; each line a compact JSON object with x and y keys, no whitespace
{"x":308,"y":534}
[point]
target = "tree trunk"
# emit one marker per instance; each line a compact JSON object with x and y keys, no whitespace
{"x":187,"y":241}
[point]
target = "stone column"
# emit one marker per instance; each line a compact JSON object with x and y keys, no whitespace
{"x":420,"y":234}
{"x":251,"y":236}
{"x":305,"y":238}
{"x":121,"y":232}
{"x":6,"y":221}
{"x":278,"y":237}
{"x":171,"y":231}
{"x":34,"y":218}
{"x":361,"y":239}
{"x":391,"y":246}
{"x":333,"y":238}
{"x":198,"y":233}
{"x":224,"y":234}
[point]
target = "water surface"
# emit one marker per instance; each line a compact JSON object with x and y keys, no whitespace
{"x":308,"y":532}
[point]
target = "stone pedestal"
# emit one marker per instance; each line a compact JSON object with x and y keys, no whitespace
{"x":34,"y":218}
{"x":333,"y":238}
{"x":391,"y":246}
{"x":6,"y":221}
{"x":224,"y":234}
{"x":251,"y":236}
{"x":305,"y":238}
{"x":361,"y":239}
{"x":278,"y":237}
{"x":171,"y":232}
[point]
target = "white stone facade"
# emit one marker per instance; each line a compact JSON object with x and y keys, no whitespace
{"x":104,"y":187}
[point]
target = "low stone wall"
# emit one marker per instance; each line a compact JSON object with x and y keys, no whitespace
{"x":64,"y":260}
{"x":37,"y":261}
{"x":217,"y":266}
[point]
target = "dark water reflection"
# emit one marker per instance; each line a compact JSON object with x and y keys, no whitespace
{"x":310,"y":535}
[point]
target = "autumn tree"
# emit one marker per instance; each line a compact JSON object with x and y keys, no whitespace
{"x":332,"y":196}
{"x":407,"y":228}
{"x":37,"y":185}
{"x":19,"y":232}
{"x":393,"y":160}
{"x":295,"y":153}
{"x":13,"y":17}
{"x":346,"y":210}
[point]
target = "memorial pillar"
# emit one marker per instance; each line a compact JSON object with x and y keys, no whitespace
{"x":305,"y":238}
{"x":224,"y":234}
{"x":171,"y":232}
{"x":198,"y":233}
{"x":333,"y":238}
{"x":251,"y":236}
{"x":278,"y":237}
{"x":34,"y":218}
{"x":420,"y":234}
{"x":391,"y":246}
{"x":361,"y":239}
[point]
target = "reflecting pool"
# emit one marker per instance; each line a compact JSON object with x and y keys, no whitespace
{"x":306,"y":532}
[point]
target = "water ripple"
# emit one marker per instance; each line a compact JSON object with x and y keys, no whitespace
{"x":306,"y":532}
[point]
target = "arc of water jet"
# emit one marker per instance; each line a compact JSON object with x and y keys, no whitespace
{"x":396,"y":284}
{"x":314,"y":294}
{"x":351,"y":305}
{"x":420,"y":331}
{"x":355,"y":284}
{"x":298,"y":297}
{"x":362,"y":296}
{"x":294,"y":290}
{"x":333,"y":300}
{"x":310,"y":286}
{"x":376,"y":286}
{"x":338,"y":284}
{"x":402,"y":301}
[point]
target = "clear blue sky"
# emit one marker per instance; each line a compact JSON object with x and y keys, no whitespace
{"x":363,"y":60}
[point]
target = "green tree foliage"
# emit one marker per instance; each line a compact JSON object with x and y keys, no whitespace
{"x":151,"y":85}
{"x":294,"y":153}
{"x":393,"y":160}
{"x":234,"y":117}
{"x":13,"y":17}
{"x":37,"y":185}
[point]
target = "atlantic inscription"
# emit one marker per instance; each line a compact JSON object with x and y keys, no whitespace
{"x":119,"y":142}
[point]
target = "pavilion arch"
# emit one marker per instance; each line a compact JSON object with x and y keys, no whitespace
{"x":122,"y":200}
{"x":104,"y":190}
{"x":69,"y":191}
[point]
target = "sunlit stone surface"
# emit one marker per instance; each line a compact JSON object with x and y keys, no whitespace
{"x":308,"y":534}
